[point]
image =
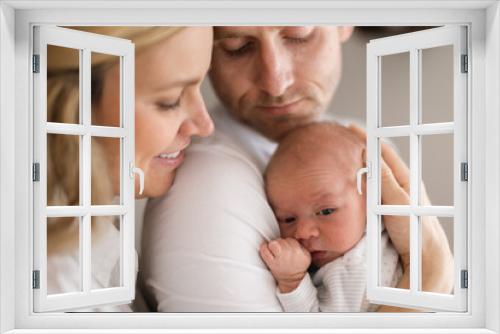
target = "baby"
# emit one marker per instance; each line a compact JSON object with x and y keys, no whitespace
{"x":311,"y":185}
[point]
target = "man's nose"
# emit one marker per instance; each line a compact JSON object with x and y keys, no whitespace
{"x":275,"y":73}
{"x":306,"y":229}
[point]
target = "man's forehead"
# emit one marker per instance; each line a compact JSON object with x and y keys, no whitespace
{"x":244,"y":31}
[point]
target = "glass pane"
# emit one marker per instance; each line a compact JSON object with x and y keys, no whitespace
{"x":63,"y":85}
{"x":105,"y":90}
{"x":395,"y":89}
{"x":63,"y":170}
{"x":106,"y":170}
{"x":63,"y":255}
{"x":106,"y":247}
{"x":427,"y":224}
{"x":437,"y":168}
{"x":402,"y":147}
{"x":437,"y":84}
{"x":391,"y":269}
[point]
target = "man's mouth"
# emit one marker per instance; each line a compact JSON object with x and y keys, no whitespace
{"x":279,"y":109}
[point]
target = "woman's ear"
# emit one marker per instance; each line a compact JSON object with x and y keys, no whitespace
{"x":345,"y":32}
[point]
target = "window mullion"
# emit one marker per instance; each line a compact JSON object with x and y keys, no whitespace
{"x":86,"y":168}
{"x":414,"y":171}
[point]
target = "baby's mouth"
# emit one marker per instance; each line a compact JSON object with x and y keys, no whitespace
{"x":318,"y":253}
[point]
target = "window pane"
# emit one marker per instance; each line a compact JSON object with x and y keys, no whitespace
{"x":106,"y":169}
{"x":395,"y":89}
{"x":402,"y":146}
{"x":63,"y":255}
{"x":437,"y":168}
{"x":390,"y":267}
{"x":63,"y":170}
{"x":105,"y":90}
{"x":106,"y":246}
{"x":63,"y":85}
{"x":437,"y":84}
{"x":426,"y":227}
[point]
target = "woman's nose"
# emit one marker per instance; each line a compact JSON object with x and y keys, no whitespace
{"x":198,"y":122}
{"x":275,"y":72}
{"x":306,"y":229}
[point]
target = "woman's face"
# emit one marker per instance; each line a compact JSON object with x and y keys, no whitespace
{"x":169,"y":108}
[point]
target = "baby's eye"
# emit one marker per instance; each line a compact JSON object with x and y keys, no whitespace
{"x":325,"y":212}
{"x":287,"y":220}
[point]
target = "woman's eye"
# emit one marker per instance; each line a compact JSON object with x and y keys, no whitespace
{"x":168,"y":106}
{"x":325,"y":212}
{"x":287,"y":220}
{"x":245,"y":48}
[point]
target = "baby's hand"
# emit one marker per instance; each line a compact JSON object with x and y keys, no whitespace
{"x":288,"y":261}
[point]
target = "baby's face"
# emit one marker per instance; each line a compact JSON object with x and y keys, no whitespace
{"x":319,"y":206}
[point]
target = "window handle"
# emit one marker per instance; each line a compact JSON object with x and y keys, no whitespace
{"x":140,"y":172}
{"x":359,"y":175}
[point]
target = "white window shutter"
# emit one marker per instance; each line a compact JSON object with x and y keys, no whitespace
{"x":87,"y":295}
{"x":413,"y":44}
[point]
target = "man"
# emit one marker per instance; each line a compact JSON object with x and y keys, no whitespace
{"x":201,"y":241}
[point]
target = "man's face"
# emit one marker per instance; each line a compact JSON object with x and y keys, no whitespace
{"x":276,"y":78}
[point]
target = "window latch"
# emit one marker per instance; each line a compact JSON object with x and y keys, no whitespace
{"x":140,"y":173}
{"x":359,"y":175}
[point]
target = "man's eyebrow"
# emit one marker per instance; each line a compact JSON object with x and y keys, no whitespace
{"x":228,"y":34}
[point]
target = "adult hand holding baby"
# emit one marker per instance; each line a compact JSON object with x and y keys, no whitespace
{"x":288,"y":261}
{"x":437,"y":260}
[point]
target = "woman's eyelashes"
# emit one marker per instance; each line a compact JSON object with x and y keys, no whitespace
{"x":165,"y":106}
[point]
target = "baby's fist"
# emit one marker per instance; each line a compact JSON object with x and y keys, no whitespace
{"x":288,"y":261}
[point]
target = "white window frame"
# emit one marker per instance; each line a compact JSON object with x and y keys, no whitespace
{"x":16,"y":20}
{"x":413,"y":44}
{"x":84,"y":43}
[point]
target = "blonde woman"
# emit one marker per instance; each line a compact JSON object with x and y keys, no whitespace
{"x":169,"y":67}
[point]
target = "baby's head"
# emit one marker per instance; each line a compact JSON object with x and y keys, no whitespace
{"x":311,"y":185}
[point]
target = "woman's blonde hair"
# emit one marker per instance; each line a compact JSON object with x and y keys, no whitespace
{"x":63,"y":106}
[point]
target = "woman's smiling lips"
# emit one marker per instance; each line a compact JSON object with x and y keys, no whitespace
{"x":172,"y":159}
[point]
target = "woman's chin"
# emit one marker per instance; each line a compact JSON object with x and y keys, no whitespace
{"x":156,"y":188}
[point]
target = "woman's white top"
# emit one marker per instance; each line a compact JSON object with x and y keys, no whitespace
{"x":63,"y":267}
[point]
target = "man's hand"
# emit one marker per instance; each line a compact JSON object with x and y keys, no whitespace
{"x":288,"y":261}
{"x":437,"y":259}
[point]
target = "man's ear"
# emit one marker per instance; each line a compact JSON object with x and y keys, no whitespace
{"x":345,"y":32}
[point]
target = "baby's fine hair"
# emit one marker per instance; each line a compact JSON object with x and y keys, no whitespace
{"x":303,"y":144}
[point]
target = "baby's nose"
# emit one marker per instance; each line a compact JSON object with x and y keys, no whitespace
{"x":306,"y":229}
